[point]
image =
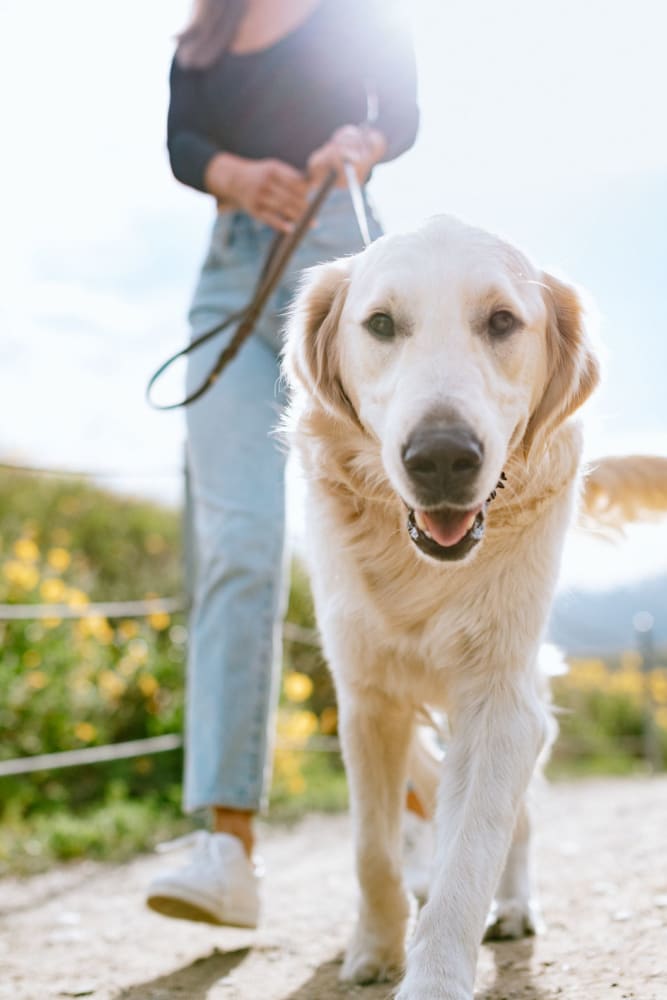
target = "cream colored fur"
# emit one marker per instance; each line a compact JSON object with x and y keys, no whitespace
{"x":623,"y":488}
{"x":400,"y":629}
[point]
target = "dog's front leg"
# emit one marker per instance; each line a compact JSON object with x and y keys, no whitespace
{"x":515,"y":913}
{"x":376,"y":733}
{"x":496,"y":739}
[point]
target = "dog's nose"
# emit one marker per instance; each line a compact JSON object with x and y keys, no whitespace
{"x":442,"y":462}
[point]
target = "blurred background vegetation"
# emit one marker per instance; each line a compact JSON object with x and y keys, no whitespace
{"x":67,"y":684}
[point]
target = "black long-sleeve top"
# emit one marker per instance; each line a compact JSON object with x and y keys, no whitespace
{"x":285,"y":101}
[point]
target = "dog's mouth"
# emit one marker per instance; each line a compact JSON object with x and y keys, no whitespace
{"x":447,"y":533}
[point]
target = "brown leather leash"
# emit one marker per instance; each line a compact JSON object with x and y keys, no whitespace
{"x":280,"y":252}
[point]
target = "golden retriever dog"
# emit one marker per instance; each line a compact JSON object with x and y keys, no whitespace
{"x":434,"y":382}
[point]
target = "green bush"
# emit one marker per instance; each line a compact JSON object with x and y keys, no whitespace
{"x":603,"y":706}
{"x":67,"y":684}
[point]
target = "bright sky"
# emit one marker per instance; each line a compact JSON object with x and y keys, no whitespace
{"x":541,"y":121}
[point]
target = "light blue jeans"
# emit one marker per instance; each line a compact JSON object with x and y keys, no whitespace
{"x":237,"y":490}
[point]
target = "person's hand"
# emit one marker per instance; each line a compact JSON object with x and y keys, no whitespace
{"x":359,"y":145}
{"x":269,"y":190}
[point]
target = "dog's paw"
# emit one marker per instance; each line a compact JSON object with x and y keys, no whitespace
{"x":367,"y":962}
{"x":427,"y":988}
{"x":512,"y":919}
{"x":436,"y":970}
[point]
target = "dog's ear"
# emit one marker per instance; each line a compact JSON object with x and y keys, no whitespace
{"x":311,"y":353}
{"x":573,"y":370}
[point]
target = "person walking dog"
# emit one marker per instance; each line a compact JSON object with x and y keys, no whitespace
{"x":267,"y":97}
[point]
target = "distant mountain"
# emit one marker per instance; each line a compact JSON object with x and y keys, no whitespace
{"x":587,"y":621}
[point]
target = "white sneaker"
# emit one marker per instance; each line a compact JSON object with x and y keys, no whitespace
{"x":219,"y":885}
{"x":418,"y":848}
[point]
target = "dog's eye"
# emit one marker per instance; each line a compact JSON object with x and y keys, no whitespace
{"x":381,"y":325}
{"x":502,"y":322}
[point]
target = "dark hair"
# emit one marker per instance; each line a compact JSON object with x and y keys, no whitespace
{"x":209,"y":33}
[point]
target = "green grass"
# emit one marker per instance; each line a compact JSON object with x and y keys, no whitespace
{"x":113,"y":830}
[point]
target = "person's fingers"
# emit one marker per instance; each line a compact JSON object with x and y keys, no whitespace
{"x":316,"y":169}
{"x":352,"y":142}
{"x":284,"y":202}
{"x":275,"y":220}
{"x":289,"y":179}
{"x":359,"y":154}
{"x":349,"y":135}
{"x":284,"y":191}
{"x":350,"y":150}
{"x":324,"y":160}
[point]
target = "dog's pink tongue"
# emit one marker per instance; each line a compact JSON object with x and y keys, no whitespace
{"x":447,"y":527}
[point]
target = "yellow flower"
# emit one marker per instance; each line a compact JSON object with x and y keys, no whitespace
{"x":51,"y":622}
{"x":77,"y":598}
{"x":26,"y":550}
{"x":20,"y":574}
{"x":287,"y":771}
{"x":127,"y":629}
{"x":297,"y":725}
{"x":31,"y":659}
{"x":147,"y":685}
{"x":298,"y":687}
{"x":85,"y":732}
{"x":661,"y":717}
{"x":658,"y":685}
{"x":96,"y":627}
{"x":159,"y":621}
{"x":111,"y":684}
{"x":588,"y":673}
{"x":58,"y":559}
{"x":626,"y":682}
{"x":287,"y":762}
{"x":12,"y":570}
{"x":37,"y":679}
{"x":53,"y":591}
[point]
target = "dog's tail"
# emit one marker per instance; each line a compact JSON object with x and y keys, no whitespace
{"x":618,"y":490}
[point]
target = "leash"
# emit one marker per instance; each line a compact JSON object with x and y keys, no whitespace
{"x":356,"y":194}
{"x":280,"y":252}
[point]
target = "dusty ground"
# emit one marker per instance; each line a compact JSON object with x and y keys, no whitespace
{"x":82,"y":931}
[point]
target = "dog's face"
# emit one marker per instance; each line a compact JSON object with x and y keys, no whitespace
{"x":449,"y":350}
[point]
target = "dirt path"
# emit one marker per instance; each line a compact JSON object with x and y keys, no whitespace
{"x":82,"y":931}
